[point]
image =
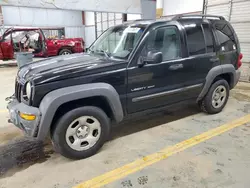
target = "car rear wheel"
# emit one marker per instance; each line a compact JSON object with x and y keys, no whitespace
{"x":65,"y":52}
{"x":81,"y":132}
{"x":216,"y":98}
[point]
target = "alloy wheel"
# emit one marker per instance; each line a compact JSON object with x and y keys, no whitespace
{"x":83,"y":133}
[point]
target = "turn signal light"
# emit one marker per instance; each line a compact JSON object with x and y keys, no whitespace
{"x":28,"y":117}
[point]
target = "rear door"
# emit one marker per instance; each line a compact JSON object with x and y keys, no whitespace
{"x":201,"y":49}
{"x":7,"y":45}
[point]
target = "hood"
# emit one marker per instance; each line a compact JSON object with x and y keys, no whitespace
{"x":63,"y":67}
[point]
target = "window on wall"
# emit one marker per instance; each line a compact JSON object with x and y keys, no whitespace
{"x":54,"y":33}
{"x":104,"y":20}
{"x":225,"y":37}
{"x":195,"y":39}
{"x":208,"y":38}
{"x":165,"y":40}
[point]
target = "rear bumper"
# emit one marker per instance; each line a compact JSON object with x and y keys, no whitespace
{"x":29,"y":127}
{"x":237,"y":77}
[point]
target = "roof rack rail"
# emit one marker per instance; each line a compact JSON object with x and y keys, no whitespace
{"x":143,"y":20}
{"x":197,"y":15}
{"x":137,"y":20}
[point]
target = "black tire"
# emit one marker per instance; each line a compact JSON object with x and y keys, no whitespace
{"x":206,"y":103}
{"x":60,"y":128}
{"x":65,"y":52}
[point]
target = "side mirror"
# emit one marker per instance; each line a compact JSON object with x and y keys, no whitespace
{"x":153,"y":57}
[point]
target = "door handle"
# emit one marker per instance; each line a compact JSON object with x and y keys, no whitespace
{"x":176,"y":66}
{"x":215,"y":59}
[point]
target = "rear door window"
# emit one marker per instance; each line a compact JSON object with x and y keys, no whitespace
{"x":195,"y":39}
{"x":225,"y":37}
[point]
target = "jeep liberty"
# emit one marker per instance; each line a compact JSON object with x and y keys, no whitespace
{"x":131,"y":69}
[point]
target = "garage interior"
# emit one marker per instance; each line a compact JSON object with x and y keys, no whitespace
{"x":180,"y":147}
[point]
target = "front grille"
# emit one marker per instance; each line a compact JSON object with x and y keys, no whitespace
{"x":18,"y":91}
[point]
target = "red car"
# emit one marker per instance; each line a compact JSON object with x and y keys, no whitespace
{"x":33,"y":39}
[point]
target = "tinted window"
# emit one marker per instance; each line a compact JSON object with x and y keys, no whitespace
{"x":208,"y":38}
{"x":165,"y":40}
{"x":195,"y":39}
{"x":225,"y":37}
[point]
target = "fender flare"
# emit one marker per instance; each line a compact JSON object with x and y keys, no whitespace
{"x":213,"y":73}
{"x":53,"y":100}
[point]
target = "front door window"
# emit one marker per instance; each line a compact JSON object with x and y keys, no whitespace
{"x":165,"y":40}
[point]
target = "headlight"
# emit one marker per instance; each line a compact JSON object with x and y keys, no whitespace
{"x":28,"y":90}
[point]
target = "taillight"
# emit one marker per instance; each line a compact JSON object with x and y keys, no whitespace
{"x":239,"y":60}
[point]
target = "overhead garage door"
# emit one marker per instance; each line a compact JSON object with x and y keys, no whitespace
{"x":237,"y":12}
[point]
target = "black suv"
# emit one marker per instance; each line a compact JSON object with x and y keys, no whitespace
{"x":131,"y":69}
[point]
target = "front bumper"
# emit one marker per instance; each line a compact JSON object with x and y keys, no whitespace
{"x":29,"y":127}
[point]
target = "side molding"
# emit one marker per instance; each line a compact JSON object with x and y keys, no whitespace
{"x":54,"y":99}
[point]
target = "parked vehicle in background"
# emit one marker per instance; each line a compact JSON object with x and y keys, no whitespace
{"x":132,"y":69}
{"x":33,"y":39}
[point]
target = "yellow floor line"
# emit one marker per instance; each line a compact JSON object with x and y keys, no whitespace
{"x":3,"y":111}
{"x":156,"y":157}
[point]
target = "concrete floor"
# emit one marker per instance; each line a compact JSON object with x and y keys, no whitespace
{"x":222,"y":161}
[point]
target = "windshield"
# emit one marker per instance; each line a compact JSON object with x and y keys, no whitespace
{"x":118,"y":41}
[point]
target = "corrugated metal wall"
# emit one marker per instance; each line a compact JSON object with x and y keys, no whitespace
{"x":49,"y":18}
{"x":238,"y":13}
{"x":75,"y":32}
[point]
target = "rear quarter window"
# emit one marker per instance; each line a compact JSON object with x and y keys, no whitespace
{"x":225,"y":37}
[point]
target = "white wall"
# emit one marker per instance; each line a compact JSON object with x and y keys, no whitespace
{"x":89,"y":28}
{"x":133,"y":16}
{"x":123,"y":6}
{"x":75,"y":32}
{"x":37,"y":17}
{"x":171,"y":7}
{"x":159,"y":3}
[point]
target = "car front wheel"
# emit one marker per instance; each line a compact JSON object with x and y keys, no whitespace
{"x":81,"y":132}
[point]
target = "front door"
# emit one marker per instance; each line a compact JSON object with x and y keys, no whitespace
{"x":154,"y":85}
{"x":43,"y":42}
{"x":7,"y":45}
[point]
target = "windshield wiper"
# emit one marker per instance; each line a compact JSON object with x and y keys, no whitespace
{"x":90,"y":50}
{"x":98,"y":51}
{"x":105,"y":53}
